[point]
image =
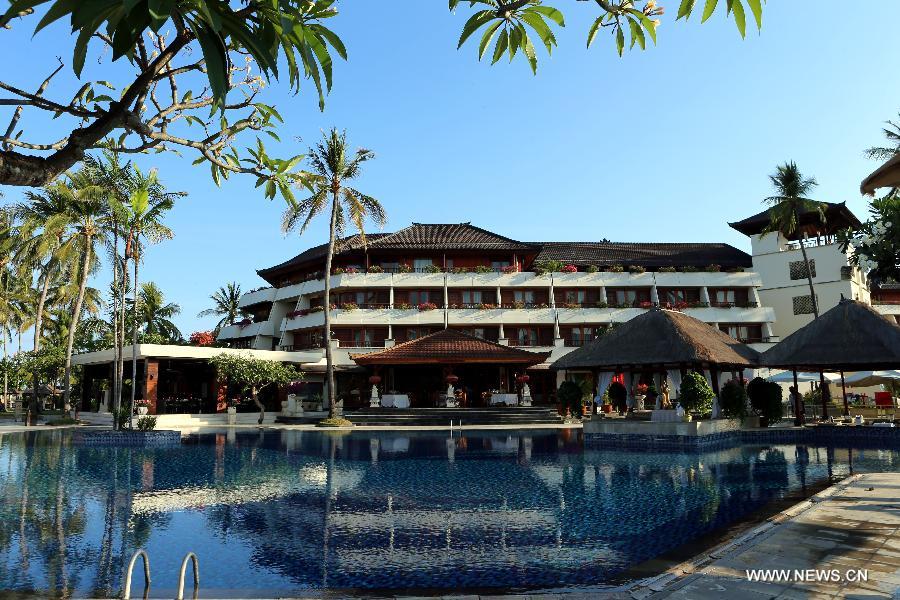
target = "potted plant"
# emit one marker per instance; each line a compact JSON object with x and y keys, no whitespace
{"x":143,"y":407}
{"x":432,"y":268}
{"x":636,"y":269}
{"x":616,"y":269}
{"x":570,"y":269}
{"x":733,"y":400}
{"x":618,"y":396}
{"x":569,"y":397}
{"x":375,"y":269}
{"x":405,"y":268}
{"x":592,"y":269}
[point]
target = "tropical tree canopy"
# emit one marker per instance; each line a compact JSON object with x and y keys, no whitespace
{"x":247,"y":372}
{"x":154,"y":314}
{"x":225,"y":305}
{"x":194,"y":88}
{"x":790,"y":199}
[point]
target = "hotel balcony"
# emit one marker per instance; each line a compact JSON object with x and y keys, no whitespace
{"x":257,"y":297}
{"x":266,"y":328}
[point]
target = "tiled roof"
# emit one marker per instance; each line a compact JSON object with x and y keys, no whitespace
{"x":449,"y":236}
{"x":837,"y":216}
{"x":449,"y":347}
{"x":644,"y":254}
{"x":660,"y":337}
{"x":345,"y":244}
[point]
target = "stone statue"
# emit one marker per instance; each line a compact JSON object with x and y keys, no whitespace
{"x":664,"y":393}
{"x":526,"y":395}
{"x":375,"y":399}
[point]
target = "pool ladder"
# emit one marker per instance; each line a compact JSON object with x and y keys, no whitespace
{"x":126,"y":595}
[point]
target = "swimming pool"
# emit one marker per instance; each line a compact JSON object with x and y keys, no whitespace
{"x":293,"y":512}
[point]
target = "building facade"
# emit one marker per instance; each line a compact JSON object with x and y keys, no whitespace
{"x":539,"y":296}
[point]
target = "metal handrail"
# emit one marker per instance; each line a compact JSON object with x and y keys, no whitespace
{"x":127,"y":591}
{"x":196,"y":569}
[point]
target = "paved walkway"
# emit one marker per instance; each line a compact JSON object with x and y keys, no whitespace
{"x":852,"y":526}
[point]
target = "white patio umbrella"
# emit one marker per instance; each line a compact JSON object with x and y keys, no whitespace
{"x":870,"y":378}
{"x":788,"y":377}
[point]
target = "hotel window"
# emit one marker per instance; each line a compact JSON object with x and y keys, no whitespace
{"x":579,"y":336}
{"x":417,"y":297}
{"x":575,"y":296}
{"x":368,"y":338}
{"x":677,"y":295}
{"x":797,"y":269}
{"x":478,"y":332}
{"x":743,"y":333}
{"x":527,"y":336}
{"x":803,"y":305}
{"x":729,"y":297}
{"x":420,"y":265}
{"x":526,"y":297}
{"x":472,"y":297}
{"x":627,"y":297}
{"x":414,"y":333}
{"x":390,"y":267}
{"x":499,"y":265}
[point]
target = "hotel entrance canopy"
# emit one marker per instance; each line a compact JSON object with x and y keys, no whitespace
{"x":450,"y":347}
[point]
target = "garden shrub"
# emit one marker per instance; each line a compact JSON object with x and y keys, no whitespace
{"x":695,"y":394}
{"x":733,"y":400}
{"x":765,"y":400}
{"x":618,"y":396}
{"x":146,"y":423}
{"x":569,"y":396}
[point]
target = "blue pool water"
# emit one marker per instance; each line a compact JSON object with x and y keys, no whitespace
{"x":296,"y":512}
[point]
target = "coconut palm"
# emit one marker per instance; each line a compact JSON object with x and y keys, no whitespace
{"x":333,"y":166}
{"x":148,"y":204}
{"x":225,"y":305}
{"x":155,"y":315}
{"x":892,"y":135}
{"x":788,"y":204}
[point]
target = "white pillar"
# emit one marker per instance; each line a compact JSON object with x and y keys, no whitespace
{"x":602,"y":294}
{"x":754,"y":296}
{"x":704,"y":295}
{"x":446,"y":303}
{"x":654,"y":294}
{"x":552,"y":295}
{"x":391,"y":293}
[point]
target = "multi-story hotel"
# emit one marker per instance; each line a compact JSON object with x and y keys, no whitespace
{"x":545,"y":298}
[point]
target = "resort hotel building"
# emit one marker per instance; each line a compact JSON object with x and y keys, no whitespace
{"x":411,"y":308}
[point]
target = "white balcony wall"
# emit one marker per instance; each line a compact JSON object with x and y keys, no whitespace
{"x":251,"y":298}
{"x":265,"y":328}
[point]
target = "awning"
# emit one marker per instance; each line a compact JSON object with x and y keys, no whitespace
{"x":887,"y":175}
{"x":870,"y":378}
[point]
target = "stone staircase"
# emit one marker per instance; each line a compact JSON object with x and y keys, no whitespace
{"x":441,"y":417}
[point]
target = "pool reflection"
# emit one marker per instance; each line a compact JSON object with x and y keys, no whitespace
{"x":279,"y":512}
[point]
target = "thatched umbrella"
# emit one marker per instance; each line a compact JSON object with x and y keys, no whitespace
{"x":663,"y":338}
{"x":887,"y":175}
{"x":852,"y":336}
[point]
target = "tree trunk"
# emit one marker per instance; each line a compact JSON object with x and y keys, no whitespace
{"x":120,"y":363}
{"x":259,"y":405}
{"x":5,"y":375}
{"x":115,"y":320}
{"x":329,"y":360}
{"x":134,"y":334}
{"x":76,"y":316}
{"x":38,"y":325}
{"x":812,"y":292}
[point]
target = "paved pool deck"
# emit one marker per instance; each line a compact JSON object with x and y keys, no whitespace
{"x":854,"y":525}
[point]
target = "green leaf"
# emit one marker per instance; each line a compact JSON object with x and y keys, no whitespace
{"x":542,"y":29}
{"x":620,"y":40}
{"x":473,"y":24}
{"x":214,"y":53}
{"x":685,"y":9}
{"x":500,"y":48}
{"x":637,"y":34}
{"x":756,"y":9}
{"x":515,"y":40}
{"x":740,"y":18}
{"x":593,"y":31}
{"x":551,"y":13}
{"x":649,"y":26}
{"x":528,"y":49}
{"x":708,"y":10}
{"x":487,"y":37}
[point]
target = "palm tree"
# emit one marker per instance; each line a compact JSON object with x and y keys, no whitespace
{"x":332,"y":167}
{"x":788,"y":204}
{"x":155,"y":314}
{"x":147,"y":205}
{"x":225,"y":305}
{"x":892,"y":135}
{"x":79,"y":228}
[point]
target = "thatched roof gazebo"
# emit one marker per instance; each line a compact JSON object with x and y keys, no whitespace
{"x":662,"y":340}
{"x":852,"y":336}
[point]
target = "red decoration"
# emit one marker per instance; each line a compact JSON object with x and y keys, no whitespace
{"x":375,"y":379}
{"x":523,"y":378}
{"x":452,"y":379}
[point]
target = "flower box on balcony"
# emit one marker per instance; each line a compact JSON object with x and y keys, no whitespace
{"x":349,"y":306}
{"x":426,"y":306}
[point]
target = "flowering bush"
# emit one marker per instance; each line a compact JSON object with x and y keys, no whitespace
{"x":337,"y":271}
{"x":459,"y":270}
{"x":592,"y":269}
{"x":571,"y":305}
{"x":641,"y":389}
{"x":202,"y":338}
{"x":403,"y":306}
{"x":375,"y":269}
{"x":570,"y":269}
{"x":433,"y":269}
{"x":315,"y":309}
{"x":509,"y":269}
{"x":518,"y":304}
{"x":405,"y":268}
{"x":483,"y":269}
{"x":875,"y":246}
{"x":666,"y":269}
{"x":487,"y":306}
{"x":689,"y":269}
{"x":351,"y":270}
{"x":615,"y":269}
{"x":348,"y":306}
{"x":713,"y":268}
{"x":425,"y":306}
{"x":297,"y":313}
{"x":636,"y":269}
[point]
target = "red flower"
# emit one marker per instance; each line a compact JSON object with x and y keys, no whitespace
{"x":570,"y":269}
{"x":202,"y":338}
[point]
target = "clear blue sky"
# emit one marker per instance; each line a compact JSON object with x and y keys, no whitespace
{"x":663,"y":145}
